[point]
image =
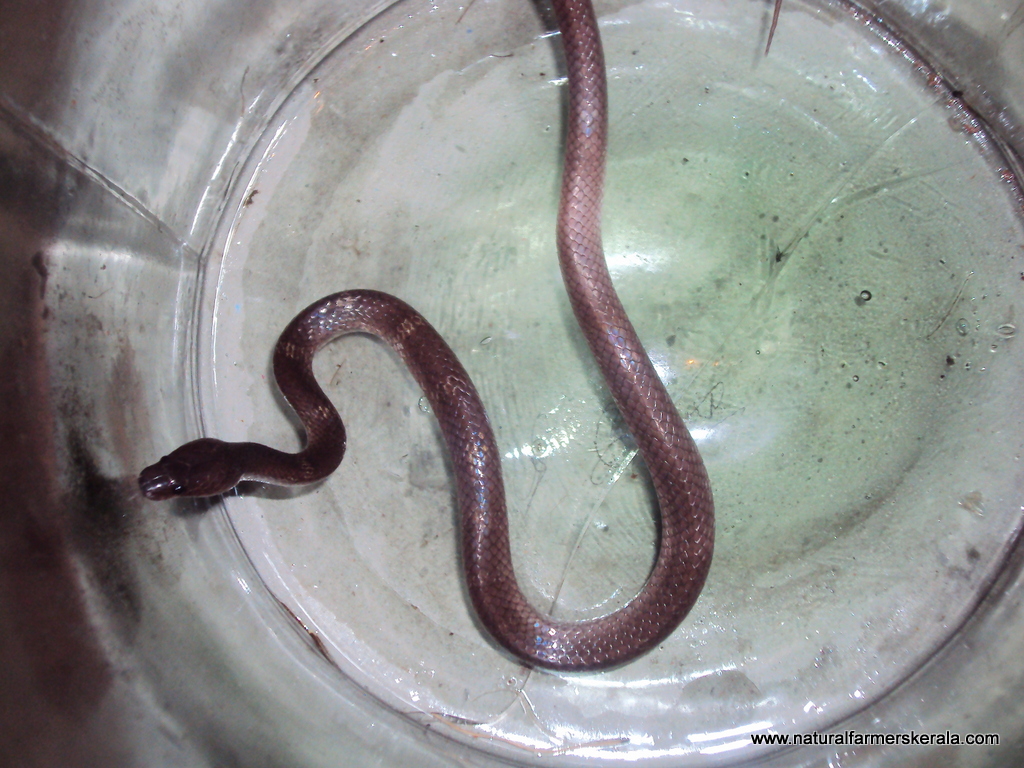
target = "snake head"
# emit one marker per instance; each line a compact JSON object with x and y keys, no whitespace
{"x":204,"y":467}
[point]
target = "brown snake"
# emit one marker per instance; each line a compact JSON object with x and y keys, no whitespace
{"x":207,"y":467}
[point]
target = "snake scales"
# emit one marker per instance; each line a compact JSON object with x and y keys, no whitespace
{"x":208,"y":467}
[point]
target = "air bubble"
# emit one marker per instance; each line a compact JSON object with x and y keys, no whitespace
{"x":961,"y":326}
{"x":1006,"y":331}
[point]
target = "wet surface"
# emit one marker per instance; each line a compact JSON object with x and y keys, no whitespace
{"x":793,"y":230}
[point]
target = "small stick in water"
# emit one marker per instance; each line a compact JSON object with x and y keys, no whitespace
{"x":775,"y":23}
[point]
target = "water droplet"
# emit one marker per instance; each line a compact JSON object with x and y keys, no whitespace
{"x":486,"y":340}
{"x":974,"y":503}
{"x":961,"y":326}
{"x":1006,"y":331}
{"x":424,"y":404}
{"x":856,"y":378}
{"x":881,"y":364}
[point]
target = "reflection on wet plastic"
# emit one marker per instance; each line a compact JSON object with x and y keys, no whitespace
{"x":794,"y":240}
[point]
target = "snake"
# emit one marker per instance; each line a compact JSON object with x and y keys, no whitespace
{"x":208,"y":467}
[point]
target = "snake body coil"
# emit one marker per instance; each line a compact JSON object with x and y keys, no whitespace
{"x":207,"y":467}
